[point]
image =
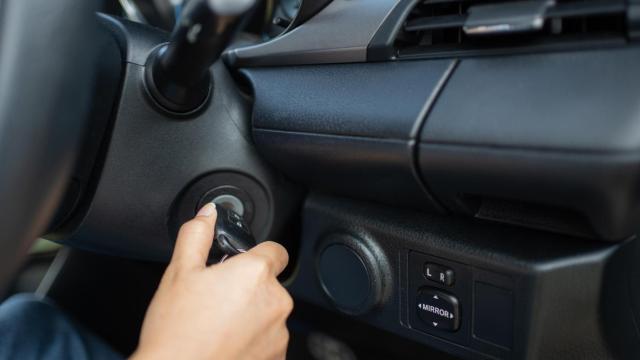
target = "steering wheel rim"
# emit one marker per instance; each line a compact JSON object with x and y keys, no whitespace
{"x":46,"y":77}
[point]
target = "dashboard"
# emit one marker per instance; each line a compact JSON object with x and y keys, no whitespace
{"x":465,"y":171}
{"x":507,"y":113}
{"x":269,"y":19}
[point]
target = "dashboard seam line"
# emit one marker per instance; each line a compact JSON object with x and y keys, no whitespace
{"x":413,"y":147}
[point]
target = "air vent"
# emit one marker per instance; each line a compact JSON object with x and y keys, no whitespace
{"x":437,"y":28}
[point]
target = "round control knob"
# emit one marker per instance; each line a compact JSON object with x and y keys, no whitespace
{"x":351,"y":273}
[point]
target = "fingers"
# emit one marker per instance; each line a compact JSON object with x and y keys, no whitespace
{"x":195,"y":239}
{"x":274,"y":254}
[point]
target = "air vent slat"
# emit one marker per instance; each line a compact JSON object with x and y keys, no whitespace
{"x":439,"y":22}
{"x":437,"y":27}
{"x":590,"y":8}
{"x":433,"y":2}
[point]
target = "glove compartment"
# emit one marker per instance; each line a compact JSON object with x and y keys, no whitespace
{"x":547,"y":140}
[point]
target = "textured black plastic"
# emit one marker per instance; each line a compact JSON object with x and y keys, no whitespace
{"x":374,"y":169}
{"x":136,"y":40}
{"x":153,"y":159}
{"x":571,"y":297}
{"x":554,"y":129}
{"x":86,"y":172}
{"x":382,"y":100}
{"x":575,"y":101}
{"x":347,"y":129}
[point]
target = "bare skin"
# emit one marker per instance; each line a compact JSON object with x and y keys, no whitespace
{"x":233,"y":310}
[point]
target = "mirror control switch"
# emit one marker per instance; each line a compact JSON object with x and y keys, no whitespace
{"x":439,"y":274}
{"x":438,"y":309}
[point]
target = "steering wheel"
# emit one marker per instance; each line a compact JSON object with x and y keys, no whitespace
{"x":46,"y":77}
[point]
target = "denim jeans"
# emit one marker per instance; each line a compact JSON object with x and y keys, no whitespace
{"x":32,"y":328}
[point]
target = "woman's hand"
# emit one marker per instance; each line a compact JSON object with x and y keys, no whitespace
{"x":234,"y":310}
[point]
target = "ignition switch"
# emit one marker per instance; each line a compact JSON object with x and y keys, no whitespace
{"x":232,"y":236}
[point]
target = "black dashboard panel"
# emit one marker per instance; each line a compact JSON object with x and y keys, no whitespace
{"x":547,"y":141}
{"x":572,"y":101}
{"x":559,"y":130}
{"x":375,"y":169}
{"x":377,"y":100}
{"x":347,"y":129}
{"x":159,"y":166}
{"x":521,"y":294}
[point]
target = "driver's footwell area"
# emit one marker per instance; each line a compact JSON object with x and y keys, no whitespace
{"x":109,"y":296}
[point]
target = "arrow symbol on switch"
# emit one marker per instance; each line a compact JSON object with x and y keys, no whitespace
{"x":435,"y":323}
{"x":450,"y":316}
{"x":436,"y":297}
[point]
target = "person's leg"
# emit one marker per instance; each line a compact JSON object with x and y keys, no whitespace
{"x":31,"y":328}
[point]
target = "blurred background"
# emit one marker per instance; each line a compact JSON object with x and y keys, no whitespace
{"x":268,"y":20}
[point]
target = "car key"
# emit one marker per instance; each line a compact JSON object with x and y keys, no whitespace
{"x":232,"y":236}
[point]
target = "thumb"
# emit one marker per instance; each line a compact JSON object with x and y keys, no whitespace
{"x":195,"y":239}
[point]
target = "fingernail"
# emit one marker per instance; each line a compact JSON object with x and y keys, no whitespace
{"x":207,"y":210}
